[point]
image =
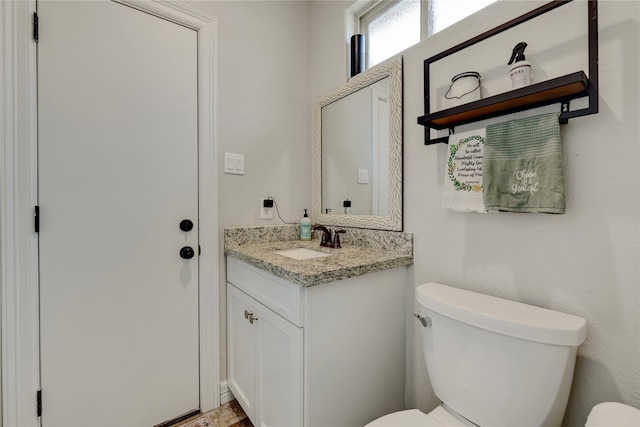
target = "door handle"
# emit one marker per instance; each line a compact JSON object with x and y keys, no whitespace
{"x":186,"y":225}
{"x":187,"y":252}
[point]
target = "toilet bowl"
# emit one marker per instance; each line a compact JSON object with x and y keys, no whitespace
{"x":439,"y":417}
{"x":491,"y":361}
{"x":607,"y":414}
{"x":613,"y":414}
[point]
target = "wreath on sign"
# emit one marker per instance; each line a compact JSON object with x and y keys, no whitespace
{"x":451,"y":165}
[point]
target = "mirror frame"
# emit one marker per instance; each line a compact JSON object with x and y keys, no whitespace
{"x":393,"y":70}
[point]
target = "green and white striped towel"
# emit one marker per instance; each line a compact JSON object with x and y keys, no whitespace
{"x":523,"y":167}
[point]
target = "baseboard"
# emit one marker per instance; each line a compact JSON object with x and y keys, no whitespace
{"x":225,"y":394}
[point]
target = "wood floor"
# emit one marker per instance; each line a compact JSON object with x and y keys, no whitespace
{"x":228,"y":415}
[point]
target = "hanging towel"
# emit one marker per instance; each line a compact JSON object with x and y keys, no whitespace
{"x":523,"y":169}
{"x":463,"y":173}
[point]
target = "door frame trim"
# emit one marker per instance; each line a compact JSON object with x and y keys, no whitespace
{"x":19,"y":334}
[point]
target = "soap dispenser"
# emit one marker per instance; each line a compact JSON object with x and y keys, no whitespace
{"x":305,"y":227}
{"x":520,"y":71}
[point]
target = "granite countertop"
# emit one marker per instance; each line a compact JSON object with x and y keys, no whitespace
{"x":349,"y":261}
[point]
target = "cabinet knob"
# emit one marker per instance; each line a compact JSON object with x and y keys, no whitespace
{"x":250,"y":317}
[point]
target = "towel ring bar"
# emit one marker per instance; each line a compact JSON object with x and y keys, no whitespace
{"x":561,"y":119}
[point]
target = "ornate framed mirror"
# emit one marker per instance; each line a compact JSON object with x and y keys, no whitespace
{"x":357,"y":151}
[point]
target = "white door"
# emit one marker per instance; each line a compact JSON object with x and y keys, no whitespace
{"x":117,"y":153}
{"x":380,"y":155}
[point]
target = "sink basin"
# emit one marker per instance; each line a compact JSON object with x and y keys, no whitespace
{"x":301,"y":253}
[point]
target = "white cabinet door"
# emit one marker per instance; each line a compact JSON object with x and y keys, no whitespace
{"x":241,"y":349}
{"x":265,"y":362}
{"x":280,"y":371}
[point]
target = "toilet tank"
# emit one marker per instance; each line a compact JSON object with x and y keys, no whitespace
{"x":498,"y":362}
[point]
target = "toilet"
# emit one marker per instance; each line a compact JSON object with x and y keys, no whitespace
{"x":492,"y":362}
{"x":613,"y":414}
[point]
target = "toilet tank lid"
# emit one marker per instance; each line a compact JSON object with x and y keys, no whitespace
{"x":503,"y":316}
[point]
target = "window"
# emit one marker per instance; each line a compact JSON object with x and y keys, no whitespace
{"x":390,"y":27}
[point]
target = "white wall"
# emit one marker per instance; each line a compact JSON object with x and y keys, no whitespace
{"x":264,"y":106}
{"x":264,"y":113}
{"x":585,"y":262}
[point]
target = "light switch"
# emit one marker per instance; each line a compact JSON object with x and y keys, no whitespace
{"x":363,"y":176}
{"x":234,"y":163}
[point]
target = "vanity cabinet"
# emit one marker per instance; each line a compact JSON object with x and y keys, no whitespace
{"x":265,"y":367}
{"x":326,"y":355}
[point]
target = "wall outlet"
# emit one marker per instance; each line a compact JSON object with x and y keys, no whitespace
{"x":265,"y":213}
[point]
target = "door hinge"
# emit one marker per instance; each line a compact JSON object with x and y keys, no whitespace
{"x":39,"y":402}
{"x":36,"y":219}
{"x":35,"y":27}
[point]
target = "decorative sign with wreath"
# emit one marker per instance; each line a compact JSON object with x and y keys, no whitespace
{"x":464,"y":167}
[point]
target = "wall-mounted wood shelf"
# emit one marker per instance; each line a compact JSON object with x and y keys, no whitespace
{"x":573,"y":85}
{"x":558,"y":90}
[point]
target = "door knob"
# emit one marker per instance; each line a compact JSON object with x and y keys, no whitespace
{"x":186,"y":225}
{"x":187,"y":252}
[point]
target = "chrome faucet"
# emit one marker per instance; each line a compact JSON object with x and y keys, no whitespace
{"x":327,"y":240}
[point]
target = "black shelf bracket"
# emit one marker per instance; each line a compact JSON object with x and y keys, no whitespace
{"x":559,"y":90}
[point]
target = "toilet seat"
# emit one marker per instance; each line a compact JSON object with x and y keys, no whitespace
{"x":439,"y":417}
{"x":610,"y":414}
{"x":409,"y":418}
